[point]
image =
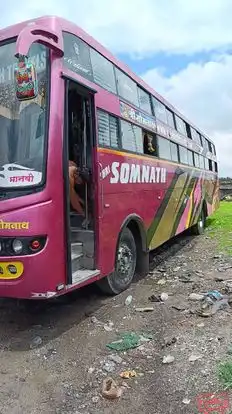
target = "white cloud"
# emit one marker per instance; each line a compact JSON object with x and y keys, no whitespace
{"x":203,"y":92}
{"x":140,"y":27}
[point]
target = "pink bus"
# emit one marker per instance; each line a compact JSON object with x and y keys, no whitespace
{"x":96,"y":169}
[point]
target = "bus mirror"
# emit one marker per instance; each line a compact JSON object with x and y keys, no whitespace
{"x":26,"y":84}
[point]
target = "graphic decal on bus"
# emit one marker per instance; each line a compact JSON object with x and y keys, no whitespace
{"x":125,"y":173}
{"x":14,"y":175}
{"x":182,"y":205}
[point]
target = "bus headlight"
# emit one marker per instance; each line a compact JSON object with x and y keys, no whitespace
{"x":17,"y":246}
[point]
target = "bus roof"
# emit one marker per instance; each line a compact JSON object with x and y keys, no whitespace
{"x":67,"y":26}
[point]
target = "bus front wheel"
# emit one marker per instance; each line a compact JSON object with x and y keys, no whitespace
{"x":125,"y":264}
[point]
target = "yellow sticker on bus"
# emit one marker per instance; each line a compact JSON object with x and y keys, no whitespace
{"x":11,"y":270}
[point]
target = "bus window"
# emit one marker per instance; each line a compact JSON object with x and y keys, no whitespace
{"x":174,"y":152}
{"x":196,"y":136}
{"x":210,"y":165}
{"x":108,"y":131}
{"x":197,"y":160}
{"x":183,"y":155}
{"x":103,"y":71}
{"x":159,"y":110}
{"x":149,"y":144}
{"x":170,"y":118}
{"x":208,"y":145}
{"x":202,"y":162}
{"x":127,"y":88}
{"x":190,"y":158}
{"x":132,"y":139}
{"x":77,"y":56}
{"x":180,"y":125}
{"x":204,"y":142}
{"x":144,"y":100}
{"x":164,"y":148}
{"x":206,"y":164}
{"x":188,"y":129}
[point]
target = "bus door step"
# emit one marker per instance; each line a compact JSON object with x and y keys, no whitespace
{"x":82,"y":275}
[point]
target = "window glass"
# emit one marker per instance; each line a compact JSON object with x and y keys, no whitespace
{"x":77,"y":56}
{"x":210,"y":165}
{"x":206,"y":164}
{"x":103,"y":71}
{"x":159,"y":110}
{"x":196,"y":136}
{"x":108,"y":133}
{"x":144,"y":100}
{"x":183,"y":155}
{"x":210,"y":146}
{"x":149,"y":144}
{"x":196,"y":160}
{"x":127,"y":88}
{"x":204,"y":143}
{"x":180,"y":125}
{"x":23,"y":135}
{"x":132,"y":139}
{"x":170,"y":118}
{"x":215,"y":167}
{"x":202,"y":162}
{"x":190,"y":158}
{"x":164,"y":148}
{"x":174,"y":152}
{"x":188,"y":129}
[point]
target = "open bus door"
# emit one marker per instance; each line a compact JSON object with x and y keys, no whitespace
{"x":79,"y":183}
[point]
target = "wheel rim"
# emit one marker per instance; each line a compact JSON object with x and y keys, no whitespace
{"x":201,"y":224}
{"x":201,"y":221}
{"x":125,"y":263}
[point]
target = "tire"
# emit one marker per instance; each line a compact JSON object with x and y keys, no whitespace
{"x":125,"y":264}
{"x":199,"y":227}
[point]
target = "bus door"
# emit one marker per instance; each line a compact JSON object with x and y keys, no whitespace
{"x":80,"y":208}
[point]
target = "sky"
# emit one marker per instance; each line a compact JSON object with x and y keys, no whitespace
{"x":180,"y":48}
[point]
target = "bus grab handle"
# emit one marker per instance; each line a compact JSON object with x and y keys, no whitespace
{"x":100,"y":167}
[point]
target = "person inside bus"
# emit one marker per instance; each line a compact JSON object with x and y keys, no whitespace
{"x":148,"y":145}
{"x":74,"y":178}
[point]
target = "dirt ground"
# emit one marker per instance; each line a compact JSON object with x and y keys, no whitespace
{"x":53,"y":355}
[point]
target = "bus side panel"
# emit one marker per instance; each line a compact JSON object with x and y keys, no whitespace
{"x":122,"y":199}
{"x":167,"y":206}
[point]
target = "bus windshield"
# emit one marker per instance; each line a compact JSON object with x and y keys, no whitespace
{"x":22,"y":124}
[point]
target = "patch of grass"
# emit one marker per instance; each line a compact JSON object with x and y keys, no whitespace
{"x":225,"y":374}
{"x":220,"y":227}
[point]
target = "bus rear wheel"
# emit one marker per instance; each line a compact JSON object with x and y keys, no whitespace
{"x":125,"y":264}
{"x":199,"y":227}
